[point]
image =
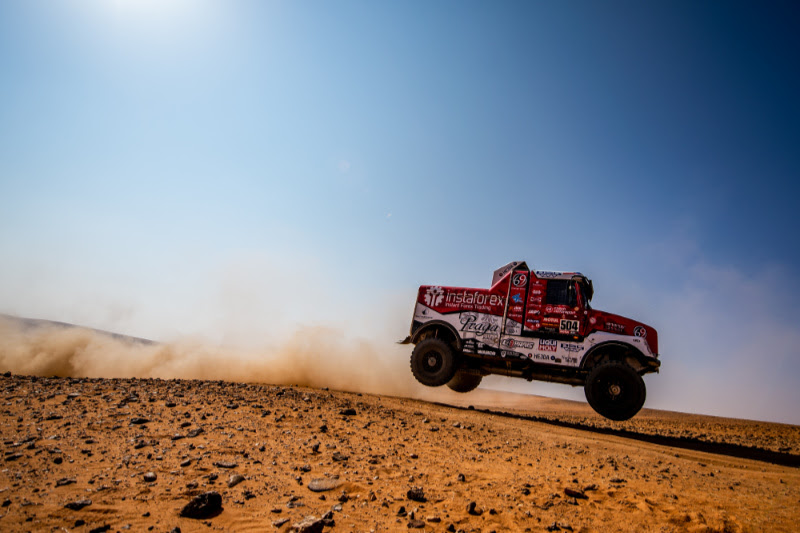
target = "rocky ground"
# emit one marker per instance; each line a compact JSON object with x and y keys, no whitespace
{"x":153,"y":455}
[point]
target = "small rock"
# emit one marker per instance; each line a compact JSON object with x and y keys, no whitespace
{"x":575,"y":493}
{"x":175,"y":529}
{"x":339,"y":457}
{"x":348,"y":412}
{"x":139,"y":420}
{"x":462,"y":477}
{"x":416,"y":494}
{"x":150,"y":477}
{"x":186,"y":463}
{"x":194,"y":432}
{"x":279,"y":523}
{"x":402,"y":511}
{"x":101,"y":529}
{"x":65,"y":481}
{"x":78,"y":505}
{"x":235,"y":480}
{"x":472,"y":508}
{"x":416,"y":524}
{"x":225,"y":464}
{"x":206,"y":505}
{"x":310,"y":524}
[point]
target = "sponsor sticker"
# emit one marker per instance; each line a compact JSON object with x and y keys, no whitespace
{"x":471,"y":324}
{"x":616,"y":328}
{"x":518,"y":344}
{"x":639,"y":331}
{"x":517,"y":298}
{"x":550,"y":321}
{"x":568,"y":347}
{"x":434,"y":296}
{"x":547,"y":345}
{"x":519,"y":279}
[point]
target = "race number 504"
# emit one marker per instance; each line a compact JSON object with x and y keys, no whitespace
{"x":568,"y":326}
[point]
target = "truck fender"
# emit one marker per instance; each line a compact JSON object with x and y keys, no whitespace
{"x":451,"y":334}
{"x":616,"y":349}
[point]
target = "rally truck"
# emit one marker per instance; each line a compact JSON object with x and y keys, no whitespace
{"x":534,"y":324}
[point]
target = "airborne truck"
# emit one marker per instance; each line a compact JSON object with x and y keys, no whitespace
{"x":537,"y":325}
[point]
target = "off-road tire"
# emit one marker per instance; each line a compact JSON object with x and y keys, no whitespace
{"x":615,"y":390}
{"x":433,"y":362}
{"x":464,"y":382}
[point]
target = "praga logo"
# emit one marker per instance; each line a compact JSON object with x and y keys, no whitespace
{"x":519,"y":279}
{"x":514,"y":343}
{"x":639,"y":331}
{"x":571,"y":347}
{"x":470,"y":324}
{"x":434,"y":296}
{"x":547,"y":345}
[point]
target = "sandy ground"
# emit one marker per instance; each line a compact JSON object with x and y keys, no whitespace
{"x":116,"y":455}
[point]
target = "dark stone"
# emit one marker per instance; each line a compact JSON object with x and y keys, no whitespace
{"x":416,"y":494}
{"x":101,"y":529}
{"x":416,"y":524}
{"x":225,"y":464}
{"x":575,"y":493}
{"x":339,"y":457}
{"x":206,"y":505}
{"x":235,"y":480}
{"x":139,"y":420}
{"x":78,"y":505}
{"x":194,"y":432}
{"x":64,"y":481}
{"x":310,"y":524}
{"x":348,"y":412}
{"x":472,"y":508}
{"x":150,"y":477}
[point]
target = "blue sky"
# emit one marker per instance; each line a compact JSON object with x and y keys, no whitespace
{"x":173,"y":168}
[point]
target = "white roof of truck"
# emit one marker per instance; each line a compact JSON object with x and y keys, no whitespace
{"x":542,"y":274}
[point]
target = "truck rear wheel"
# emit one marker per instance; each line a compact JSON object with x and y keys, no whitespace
{"x":433,"y":362}
{"x":464,"y":382}
{"x":615,"y":390}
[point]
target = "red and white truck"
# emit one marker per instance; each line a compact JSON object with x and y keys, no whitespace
{"x":537,"y":325}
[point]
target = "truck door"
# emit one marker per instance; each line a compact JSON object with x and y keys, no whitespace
{"x":562,"y":314}
{"x":517,"y":292}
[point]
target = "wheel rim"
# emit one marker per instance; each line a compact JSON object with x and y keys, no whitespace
{"x":433,"y":361}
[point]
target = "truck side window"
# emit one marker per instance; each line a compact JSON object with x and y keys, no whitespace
{"x":561,"y":292}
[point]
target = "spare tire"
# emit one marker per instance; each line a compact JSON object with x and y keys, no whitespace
{"x":615,"y":390}
{"x":464,"y":382}
{"x":433,"y":362}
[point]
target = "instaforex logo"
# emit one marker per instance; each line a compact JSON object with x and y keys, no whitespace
{"x":434,"y":296}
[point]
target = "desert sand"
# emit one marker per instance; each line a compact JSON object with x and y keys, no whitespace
{"x":86,"y":455}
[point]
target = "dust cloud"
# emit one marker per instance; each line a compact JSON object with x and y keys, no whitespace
{"x":312,"y":356}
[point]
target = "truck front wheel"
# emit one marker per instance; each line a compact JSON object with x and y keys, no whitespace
{"x":615,"y":390}
{"x":433,"y":362}
{"x":464,"y":382}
